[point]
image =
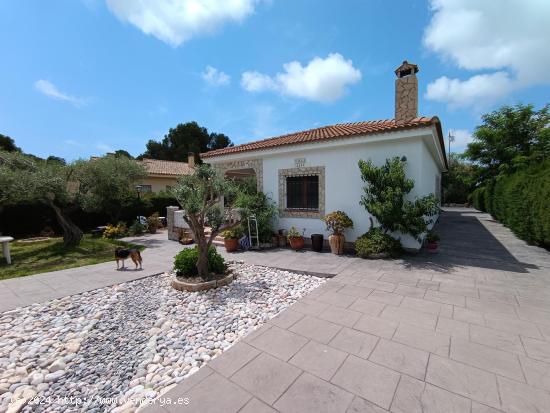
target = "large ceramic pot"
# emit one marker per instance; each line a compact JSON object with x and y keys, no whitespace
{"x":231,"y":244}
{"x":296,"y":243}
{"x":336,"y":242}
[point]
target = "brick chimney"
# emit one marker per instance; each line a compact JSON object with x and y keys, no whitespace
{"x":191,"y":159}
{"x":406,"y":92}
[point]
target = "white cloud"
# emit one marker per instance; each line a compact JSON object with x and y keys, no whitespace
{"x":176,"y":21}
{"x":477,"y":91}
{"x":321,"y":80}
{"x":49,"y":89}
{"x":509,"y":38}
{"x":215,"y":77}
{"x":462,"y":138}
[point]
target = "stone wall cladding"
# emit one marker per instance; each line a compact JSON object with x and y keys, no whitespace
{"x":406,"y":99}
{"x":307,"y":170}
{"x":256,"y":164}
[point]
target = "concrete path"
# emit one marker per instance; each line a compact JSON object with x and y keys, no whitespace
{"x":463,"y":330}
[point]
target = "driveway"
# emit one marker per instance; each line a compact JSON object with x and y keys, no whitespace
{"x":463,"y":330}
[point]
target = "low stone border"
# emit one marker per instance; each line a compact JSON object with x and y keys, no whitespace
{"x":180,"y":285}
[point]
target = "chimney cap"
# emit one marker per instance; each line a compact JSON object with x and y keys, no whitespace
{"x":406,"y":69}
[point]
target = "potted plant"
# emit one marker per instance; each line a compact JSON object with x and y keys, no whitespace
{"x":296,"y":238}
{"x":153,"y":223}
{"x":231,"y":238}
{"x":432,"y":241}
{"x":337,"y":222}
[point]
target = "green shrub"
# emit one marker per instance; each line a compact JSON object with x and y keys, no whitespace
{"x":521,"y":202}
{"x":153,"y":223}
{"x":137,"y":228}
{"x":376,"y":242}
{"x":185,"y":263}
{"x":118,"y":231}
{"x":337,"y":222}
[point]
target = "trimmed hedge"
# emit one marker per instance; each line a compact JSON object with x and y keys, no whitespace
{"x":521,"y":201}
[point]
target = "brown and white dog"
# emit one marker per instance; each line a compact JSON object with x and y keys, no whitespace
{"x":122,"y":253}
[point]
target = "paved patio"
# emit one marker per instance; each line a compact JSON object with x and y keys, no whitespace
{"x":463,"y":330}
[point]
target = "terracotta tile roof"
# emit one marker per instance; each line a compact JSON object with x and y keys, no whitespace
{"x":172,"y":168}
{"x":341,"y":130}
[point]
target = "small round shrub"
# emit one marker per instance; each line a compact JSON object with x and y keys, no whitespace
{"x":137,"y":228}
{"x":337,"y":222}
{"x":185,"y":263}
{"x":376,"y":242}
{"x":118,"y":231}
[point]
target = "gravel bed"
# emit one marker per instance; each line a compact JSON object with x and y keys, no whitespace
{"x":116,"y":347}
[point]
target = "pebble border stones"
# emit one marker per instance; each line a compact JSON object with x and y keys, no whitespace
{"x":109,"y":348}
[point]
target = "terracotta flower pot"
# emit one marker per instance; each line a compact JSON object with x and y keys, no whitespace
{"x":296,"y":243}
{"x":231,"y":244}
{"x":432,"y":246}
{"x":336,"y":242}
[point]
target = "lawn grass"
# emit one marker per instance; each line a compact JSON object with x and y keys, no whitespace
{"x":42,"y":256}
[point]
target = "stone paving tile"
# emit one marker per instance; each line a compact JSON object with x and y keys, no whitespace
{"x":427,"y":306}
{"x":468,"y":316}
{"x":452,"y":327}
{"x":408,"y":316}
{"x":401,"y":278}
{"x":486,"y":358}
{"x":279,"y":342}
{"x":410,"y":291}
{"x":319,"y":359}
{"x":235,"y":358}
{"x":385,"y":297}
{"x":458,"y":288}
{"x":481,"y":408}
{"x":401,"y":358}
{"x":360,"y":405}
{"x":286,"y":318}
{"x":490,"y":307}
{"x":445,"y":298}
{"x":465,"y":380}
{"x":536,"y":372}
{"x":367,"y":380}
{"x":266,"y":377}
{"x":354,"y":342}
{"x":311,"y":394}
{"x":336,"y":298}
{"x":257,"y":406}
{"x":428,"y":284}
{"x":355,"y":291}
{"x":521,"y":398}
{"x":537,"y":349}
{"x":316,"y":329}
{"x":309,"y":307}
{"x":533,"y":302}
{"x":367,"y":307}
{"x":534,"y":314}
{"x":414,"y":396}
{"x":423,"y":339}
{"x":513,"y":325}
{"x":545,"y":331}
{"x":501,"y":340}
{"x":378,"y":285}
{"x":229,"y":397}
{"x":376,"y":326}
{"x":506,"y":298}
{"x":342,"y":316}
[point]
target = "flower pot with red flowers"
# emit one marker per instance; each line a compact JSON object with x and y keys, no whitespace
{"x":432,"y":241}
{"x":231,"y":238}
{"x":296,"y":238}
{"x":337,"y":222}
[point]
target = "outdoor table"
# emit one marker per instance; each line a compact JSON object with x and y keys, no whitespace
{"x":5,"y":241}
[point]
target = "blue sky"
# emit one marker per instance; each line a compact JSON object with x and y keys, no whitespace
{"x":83,"y":77}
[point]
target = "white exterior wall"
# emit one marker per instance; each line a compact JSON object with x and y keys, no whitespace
{"x":343,"y":184}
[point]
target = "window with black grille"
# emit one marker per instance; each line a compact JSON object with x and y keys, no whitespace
{"x":302,"y":192}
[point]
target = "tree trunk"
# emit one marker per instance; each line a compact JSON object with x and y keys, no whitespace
{"x":202,"y":262}
{"x":71,"y":233}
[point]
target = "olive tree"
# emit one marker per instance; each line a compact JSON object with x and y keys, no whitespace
{"x":385,"y":198}
{"x":199,"y":196}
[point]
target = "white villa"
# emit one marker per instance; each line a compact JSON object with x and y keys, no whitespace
{"x":316,"y":171}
